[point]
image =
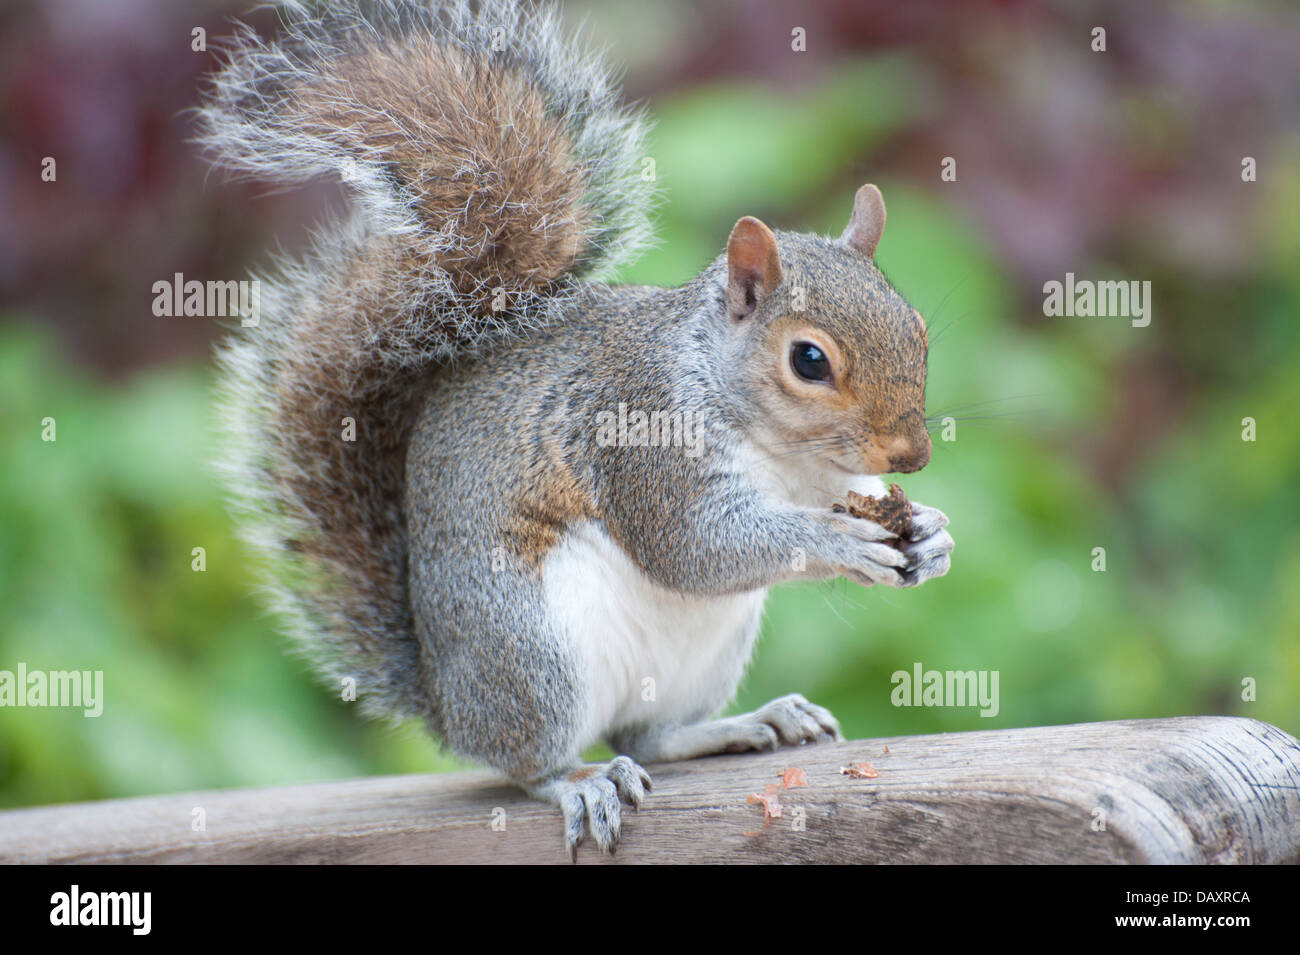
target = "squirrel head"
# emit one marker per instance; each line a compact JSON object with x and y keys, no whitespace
{"x":833,"y":358}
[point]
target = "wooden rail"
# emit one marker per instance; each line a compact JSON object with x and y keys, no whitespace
{"x":1186,"y":790}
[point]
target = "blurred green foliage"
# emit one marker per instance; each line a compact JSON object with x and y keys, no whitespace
{"x":1202,"y":548}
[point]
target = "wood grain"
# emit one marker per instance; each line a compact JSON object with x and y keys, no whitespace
{"x":1186,"y":790}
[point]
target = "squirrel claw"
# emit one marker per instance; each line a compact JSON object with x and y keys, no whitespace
{"x":791,"y":721}
{"x":591,"y":802}
{"x":930,"y":547}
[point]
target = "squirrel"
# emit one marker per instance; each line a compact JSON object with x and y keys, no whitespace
{"x":530,"y":508}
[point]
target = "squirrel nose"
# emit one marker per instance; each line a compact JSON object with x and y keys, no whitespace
{"x":907,"y":456}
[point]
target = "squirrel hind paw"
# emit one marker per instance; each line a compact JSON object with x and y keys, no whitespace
{"x":591,"y":798}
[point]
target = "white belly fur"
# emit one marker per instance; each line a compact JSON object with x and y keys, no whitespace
{"x":627,"y":629}
{"x":796,"y":480}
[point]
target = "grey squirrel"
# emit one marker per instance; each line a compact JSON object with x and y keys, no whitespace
{"x":532,"y":509}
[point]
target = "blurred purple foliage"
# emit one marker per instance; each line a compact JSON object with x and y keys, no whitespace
{"x":103,"y":89}
{"x":1060,"y":161}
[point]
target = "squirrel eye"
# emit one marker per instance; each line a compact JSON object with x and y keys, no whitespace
{"x":810,"y":362}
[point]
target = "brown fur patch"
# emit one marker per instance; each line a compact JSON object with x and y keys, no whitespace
{"x":503,"y":177}
{"x":348,"y":492}
{"x":549,"y":500}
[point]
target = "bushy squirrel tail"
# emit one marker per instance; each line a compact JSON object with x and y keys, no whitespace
{"x":491,"y":164}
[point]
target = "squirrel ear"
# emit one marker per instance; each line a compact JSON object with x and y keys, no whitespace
{"x":753,"y":266}
{"x":867,"y":223}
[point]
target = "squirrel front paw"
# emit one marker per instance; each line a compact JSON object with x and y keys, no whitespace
{"x":591,"y":798}
{"x":929,"y":546}
{"x":786,"y":721}
{"x":859,"y":553}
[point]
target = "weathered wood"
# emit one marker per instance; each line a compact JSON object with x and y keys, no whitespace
{"x":1195,"y":789}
